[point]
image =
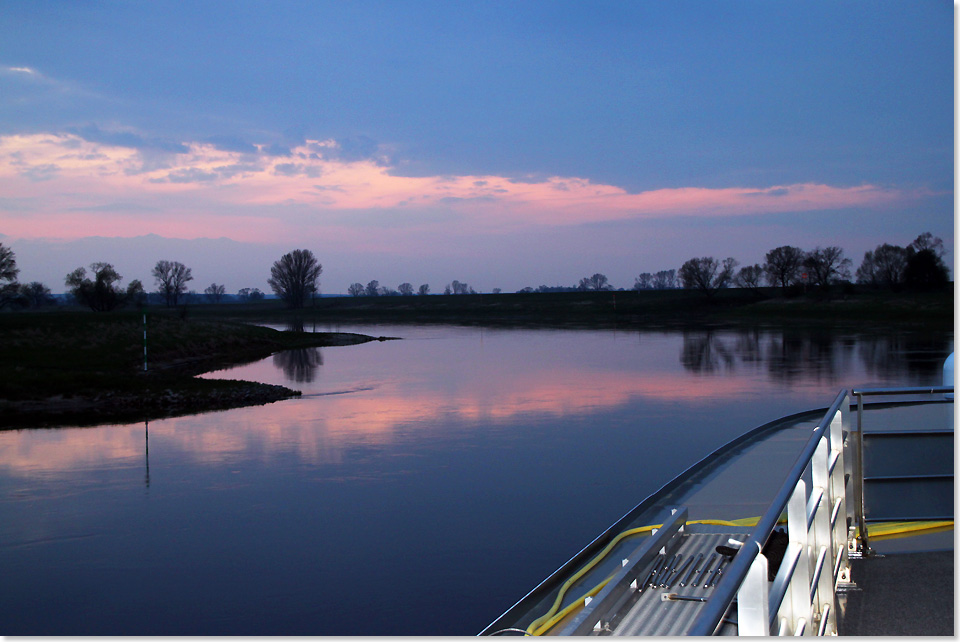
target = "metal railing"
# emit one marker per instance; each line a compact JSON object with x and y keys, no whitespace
{"x":822,"y":527}
{"x":861,"y":544}
{"x":802,"y":593}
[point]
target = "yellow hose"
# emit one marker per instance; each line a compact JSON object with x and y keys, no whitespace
{"x":881,"y":530}
{"x":549,"y":619}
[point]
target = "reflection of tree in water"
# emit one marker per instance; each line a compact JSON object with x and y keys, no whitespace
{"x":295,"y":325}
{"x":915,"y":358}
{"x":818,"y":354}
{"x":299,"y":365}
{"x":810,"y":354}
{"x":705,"y":353}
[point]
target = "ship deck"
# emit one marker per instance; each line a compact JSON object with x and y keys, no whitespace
{"x":905,"y":588}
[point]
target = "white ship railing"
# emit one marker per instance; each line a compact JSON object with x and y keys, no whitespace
{"x":802,"y":597}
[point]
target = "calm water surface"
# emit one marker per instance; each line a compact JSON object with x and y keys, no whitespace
{"x":418,"y":487}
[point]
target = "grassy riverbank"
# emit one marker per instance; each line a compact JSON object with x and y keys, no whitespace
{"x":79,"y":367}
{"x":625,"y":309}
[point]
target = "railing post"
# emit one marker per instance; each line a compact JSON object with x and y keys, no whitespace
{"x":863,"y":543}
{"x":839,"y":532}
{"x":799,"y":587}
{"x":753,"y":600}
{"x":822,"y":533}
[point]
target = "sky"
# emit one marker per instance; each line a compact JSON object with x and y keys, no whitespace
{"x":501,"y":144}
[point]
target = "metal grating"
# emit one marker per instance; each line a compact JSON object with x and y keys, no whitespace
{"x":649,"y":614}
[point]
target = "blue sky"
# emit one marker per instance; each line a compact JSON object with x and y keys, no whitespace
{"x":501,"y":144}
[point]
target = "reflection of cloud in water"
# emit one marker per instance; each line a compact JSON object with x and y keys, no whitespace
{"x":320,"y":429}
{"x":510,"y":386}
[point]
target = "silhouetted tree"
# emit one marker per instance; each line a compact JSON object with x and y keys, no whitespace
{"x":135,"y":294}
{"x":424,"y":290}
{"x":36,"y":295}
{"x":925,"y":269}
{"x":643,"y":282}
{"x":215,"y":292}
{"x":9,"y":288}
{"x":456,"y":287}
{"x":707,"y":274}
{"x":250,"y":294}
{"x":373,"y":288}
{"x":826,"y":266}
{"x":172,"y":278}
{"x":665,"y":280}
{"x":356,"y":289}
{"x":294,"y":277}
{"x":102,"y":293}
{"x":405,"y":289}
{"x":883,"y":266}
{"x":928,"y":241}
{"x":596,"y":282}
{"x":749,"y":277}
{"x":782,"y":265}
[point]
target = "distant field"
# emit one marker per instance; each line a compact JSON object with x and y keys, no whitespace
{"x":648,"y":308}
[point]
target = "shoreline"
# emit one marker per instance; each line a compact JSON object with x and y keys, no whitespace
{"x":55,"y":384}
{"x":70,"y":367}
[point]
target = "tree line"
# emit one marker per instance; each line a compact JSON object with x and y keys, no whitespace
{"x":919,"y":265}
{"x":294,"y":277}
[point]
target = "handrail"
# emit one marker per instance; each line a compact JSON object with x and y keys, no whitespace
{"x":917,"y":390}
{"x":822,"y":494}
{"x":712,"y":612}
{"x":860,"y":393}
{"x":820,"y":456}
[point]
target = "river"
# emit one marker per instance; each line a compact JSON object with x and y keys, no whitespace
{"x":418,"y":487}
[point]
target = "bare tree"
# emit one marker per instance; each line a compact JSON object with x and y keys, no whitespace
{"x":294,"y":277}
{"x":643,"y":282}
{"x":456,"y":287}
{"x":749,"y":277}
{"x":171,"y":278}
{"x":782,"y":265}
{"x":250,"y":294}
{"x":665,"y":280}
{"x":355,"y":290}
{"x":928,"y":241}
{"x":707,"y":274}
{"x":596,"y":282}
{"x":9,"y":288}
{"x":215,"y":292}
{"x":102,"y":293}
{"x":373,"y":288}
{"x":424,"y":290}
{"x":405,"y":289}
{"x":883,"y":266}
{"x":827,"y":265}
{"x":36,"y":295}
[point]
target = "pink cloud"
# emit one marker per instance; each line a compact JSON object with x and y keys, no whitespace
{"x":71,"y":182}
